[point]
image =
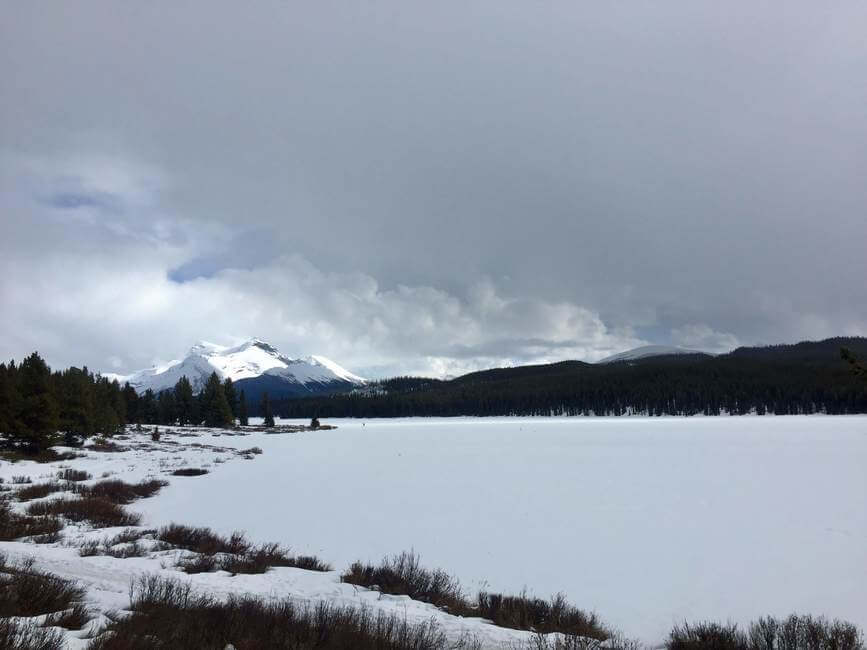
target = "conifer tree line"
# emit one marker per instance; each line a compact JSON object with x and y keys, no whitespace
{"x":37,"y":404}
{"x":804,"y":378}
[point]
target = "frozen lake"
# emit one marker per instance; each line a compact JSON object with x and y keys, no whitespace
{"x":647,"y":521}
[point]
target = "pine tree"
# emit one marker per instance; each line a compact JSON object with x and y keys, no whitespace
{"x":243,"y":420}
{"x":76,"y":404}
{"x":266,"y":411}
{"x":148,"y":408}
{"x":106,"y":399}
{"x":231,"y":396}
{"x":215,"y":407}
{"x":166,"y":407}
{"x":184,"y":401}
{"x":858,"y":368}
{"x":38,"y":418}
{"x":10,"y":401}
{"x":133,"y":414}
{"x":118,"y":403}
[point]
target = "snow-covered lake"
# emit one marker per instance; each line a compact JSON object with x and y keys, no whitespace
{"x":647,"y":521}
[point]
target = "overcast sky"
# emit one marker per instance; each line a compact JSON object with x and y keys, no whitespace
{"x":429,"y":187}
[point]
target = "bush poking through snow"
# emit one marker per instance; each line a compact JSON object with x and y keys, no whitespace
{"x":123,"y":545}
{"x":202,"y":540}
{"x":100,"y":512}
{"x":38,"y":490}
{"x":89,"y":548}
{"x":73,"y":475}
{"x":403,"y":575}
{"x":524,"y":612}
{"x":26,"y":635}
{"x":25,"y":591}
{"x":198,"y":563}
{"x":72,"y":619}
{"x":793,"y":633}
{"x":189,"y":471}
{"x":21,"y":480}
{"x":310,"y":563}
{"x":706,"y":635}
{"x":47,"y":538}
{"x":233,"y":554}
{"x":44,"y":456}
{"x":122,"y":493}
{"x":572,"y":642}
{"x":129,"y":535}
{"x":103,"y":445}
{"x":168,"y":614}
{"x":15,"y":526}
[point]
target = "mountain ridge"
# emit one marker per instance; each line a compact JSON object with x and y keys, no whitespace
{"x":647,"y":351}
{"x":802,"y":378}
{"x":249,"y":364}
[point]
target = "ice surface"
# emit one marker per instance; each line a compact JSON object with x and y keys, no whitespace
{"x":648,"y":521}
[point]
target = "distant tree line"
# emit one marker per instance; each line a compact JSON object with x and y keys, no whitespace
{"x":785,"y":380}
{"x":36,"y":404}
{"x":815,"y":377}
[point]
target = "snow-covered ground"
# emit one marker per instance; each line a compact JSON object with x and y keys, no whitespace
{"x":647,"y":521}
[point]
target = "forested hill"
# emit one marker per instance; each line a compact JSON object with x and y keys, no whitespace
{"x":806,"y":377}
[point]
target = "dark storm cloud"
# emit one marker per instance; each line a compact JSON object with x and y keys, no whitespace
{"x":608,"y":174}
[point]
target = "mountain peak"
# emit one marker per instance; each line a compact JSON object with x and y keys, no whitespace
{"x":646,"y":351}
{"x":252,"y":359}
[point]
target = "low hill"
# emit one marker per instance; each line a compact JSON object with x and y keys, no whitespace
{"x":807,"y":377}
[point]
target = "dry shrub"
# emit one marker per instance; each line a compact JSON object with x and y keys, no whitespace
{"x":71,"y":619}
{"x":523,"y":612}
{"x":233,"y":554}
{"x":189,"y":471}
{"x":203,"y":540}
{"x":796,"y":632}
{"x":122,"y":493}
{"x":403,"y":575}
{"x":168,"y":614}
{"x":38,"y":490}
{"x":26,"y":635}
{"x":25,"y":591}
{"x":100,"y":512}
{"x":101,"y":444}
{"x":73,"y":475}
{"x":15,"y":526}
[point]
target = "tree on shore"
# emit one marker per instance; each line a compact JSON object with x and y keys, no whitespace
{"x":266,"y":411}
{"x":243,"y":420}
{"x":857,"y":367}
{"x":215,"y":407}
{"x":184,"y":401}
{"x":231,"y":396}
{"x":75,"y":392}
{"x":10,"y":398}
{"x":166,"y":407}
{"x":38,"y":420}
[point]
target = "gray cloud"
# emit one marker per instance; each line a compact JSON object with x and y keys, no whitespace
{"x":430,"y":188}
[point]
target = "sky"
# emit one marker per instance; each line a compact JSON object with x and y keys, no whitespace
{"x":429,"y":188}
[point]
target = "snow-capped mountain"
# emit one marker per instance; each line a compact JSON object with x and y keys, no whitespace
{"x":255,"y":366}
{"x":646,"y":351}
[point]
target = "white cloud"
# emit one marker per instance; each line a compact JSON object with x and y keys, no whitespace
{"x":132,"y":314}
{"x":703,"y":337}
